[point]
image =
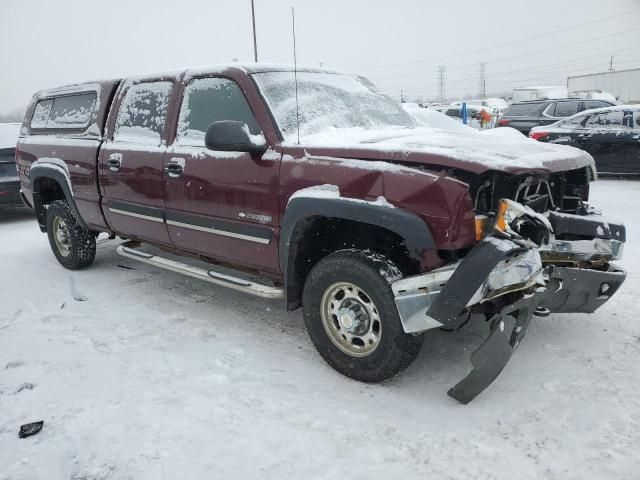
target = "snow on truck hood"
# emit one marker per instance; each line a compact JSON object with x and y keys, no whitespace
{"x":450,"y":144}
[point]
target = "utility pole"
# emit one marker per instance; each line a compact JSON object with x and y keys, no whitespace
{"x":442,"y":81}
{"x":401,"y":96}
{"x":483,"y":80}
{"x":255,"y":41}
{"x":611,"y":64}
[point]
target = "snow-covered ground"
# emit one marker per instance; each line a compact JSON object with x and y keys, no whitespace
{"x":157,"y":376}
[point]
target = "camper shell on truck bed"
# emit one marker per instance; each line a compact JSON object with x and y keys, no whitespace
{"x":77,"y":133}
{"x":339,"y":202}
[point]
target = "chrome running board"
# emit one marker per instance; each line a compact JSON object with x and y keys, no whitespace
{"x":210,"y":276}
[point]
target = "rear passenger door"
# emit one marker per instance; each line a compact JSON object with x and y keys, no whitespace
{"x":610,"y":140}
{"x":131,"y":160}
{"x":223,"y":205}
{"x":569,"y":132}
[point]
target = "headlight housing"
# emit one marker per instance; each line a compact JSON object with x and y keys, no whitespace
{"x":515,"y":220}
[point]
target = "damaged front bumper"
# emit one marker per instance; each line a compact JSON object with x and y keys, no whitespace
{"x":509,"y":280}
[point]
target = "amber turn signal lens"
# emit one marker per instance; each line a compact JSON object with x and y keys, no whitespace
{"x":501,"y":223}
{"x":482,"y":223}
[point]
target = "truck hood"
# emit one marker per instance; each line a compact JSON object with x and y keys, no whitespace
{"x":502,"y":149}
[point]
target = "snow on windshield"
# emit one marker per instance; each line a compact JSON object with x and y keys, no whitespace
{"x":327,"y":100}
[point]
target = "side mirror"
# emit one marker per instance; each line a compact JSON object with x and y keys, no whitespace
{"x":233,"y":136}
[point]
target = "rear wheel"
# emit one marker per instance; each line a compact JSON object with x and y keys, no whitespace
{"x":73,"y":245}
{"x":352,"y":319}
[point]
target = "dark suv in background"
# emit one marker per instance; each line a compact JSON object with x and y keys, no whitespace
{"x":9,"y":181}
{"x":523,"y":116}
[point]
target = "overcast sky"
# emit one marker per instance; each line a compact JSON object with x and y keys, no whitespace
{"x":398,"y":44}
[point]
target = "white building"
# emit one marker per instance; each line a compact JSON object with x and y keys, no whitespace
{"x":523,"y":94}
{"x":623,"y":84}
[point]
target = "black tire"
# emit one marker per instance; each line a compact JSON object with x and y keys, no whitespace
{"x":78,"y":250}
{"x":372,"y":273}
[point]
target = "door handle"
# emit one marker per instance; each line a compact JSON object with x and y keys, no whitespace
{"x":174,"y":169}
{"x":115,"y":162}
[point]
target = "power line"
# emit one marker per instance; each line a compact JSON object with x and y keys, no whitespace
{"x":495,"y":85}
{"x":470,"y":52}
{"x":500,"y":75}
{"x":607,"y":53}
{"x":552,"y":71}
{"x":541,"y":51}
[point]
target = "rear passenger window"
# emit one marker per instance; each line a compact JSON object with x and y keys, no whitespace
{"x":566,"y":109}
{"x":208,"y":100}
{"x":72,"y":111}
{"x":613,"y":119}
{"x":68,"y":112}
{"x":143,"y":113}
{"x":550,"y":110}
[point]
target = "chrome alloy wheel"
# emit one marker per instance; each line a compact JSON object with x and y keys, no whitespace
{"x":61,"y":236}
{"x":351,"y":319}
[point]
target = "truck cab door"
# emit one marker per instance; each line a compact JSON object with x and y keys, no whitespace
{"x":219,"y":204}
{"x":131,"y":160}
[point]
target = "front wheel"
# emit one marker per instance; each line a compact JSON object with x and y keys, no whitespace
{"x":352,"y":319}
{"x":73,"y":245}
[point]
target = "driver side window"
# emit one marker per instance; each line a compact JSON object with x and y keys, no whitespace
{"x":208,"y":100}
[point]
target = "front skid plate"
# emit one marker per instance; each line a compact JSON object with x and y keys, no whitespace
{"x":508,"y":329}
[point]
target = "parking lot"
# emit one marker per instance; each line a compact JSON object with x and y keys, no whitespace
{"x":209,"y":383}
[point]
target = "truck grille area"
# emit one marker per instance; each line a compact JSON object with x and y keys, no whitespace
{"x":535,"y":193}
{"x":564,"y":191}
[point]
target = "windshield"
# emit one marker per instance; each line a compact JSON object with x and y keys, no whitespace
{"x":328,"y":100}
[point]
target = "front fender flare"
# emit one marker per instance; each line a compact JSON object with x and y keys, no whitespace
{"x":408,"y":226}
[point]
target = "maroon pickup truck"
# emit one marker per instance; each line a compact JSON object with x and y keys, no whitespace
{"x":311,"y":186}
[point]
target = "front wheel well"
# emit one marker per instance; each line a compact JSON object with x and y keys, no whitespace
{"x":316,"y":237}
